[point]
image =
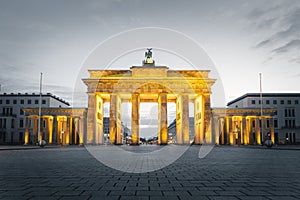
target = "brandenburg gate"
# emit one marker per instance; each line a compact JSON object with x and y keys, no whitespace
{"x":149,"y":83}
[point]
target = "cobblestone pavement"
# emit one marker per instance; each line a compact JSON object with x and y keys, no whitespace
{"x":226,"y":173}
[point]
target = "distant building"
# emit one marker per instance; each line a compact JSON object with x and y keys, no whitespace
{"x":286,"y":121}
{"x":125,"y":130}
{"x":241,"y":123}
{"x":172,"y":129}
{"x":12,"y":117}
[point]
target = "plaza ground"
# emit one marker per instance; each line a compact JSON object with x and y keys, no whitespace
{"x":225,"y":173}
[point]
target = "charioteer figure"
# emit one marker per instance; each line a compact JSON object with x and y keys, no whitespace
{"x":148,"y":58}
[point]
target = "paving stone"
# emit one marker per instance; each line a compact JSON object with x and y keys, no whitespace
{"x":226,"y":173}
{"x":253,"y":198}
{"x":75,"y":198}
{"x":223,"y":198}
{"x":121,"y":193}
{"x":149,"y":193}
{"x":134,"y":198}
{"x":282,"y":198}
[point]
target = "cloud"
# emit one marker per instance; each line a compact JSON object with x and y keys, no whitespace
{"x":290,"y":46}
{"x":283,"y":35}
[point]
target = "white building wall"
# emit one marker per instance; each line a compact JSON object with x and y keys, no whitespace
{"x":281,"y":102}
{"x":16,"y":102}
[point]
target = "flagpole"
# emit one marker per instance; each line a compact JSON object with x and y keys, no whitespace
{"x":40,"y":111}
{"x":261,"y":107}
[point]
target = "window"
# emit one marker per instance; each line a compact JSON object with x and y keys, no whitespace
{"x":267,"y":101}
{"x":286,"y":123}
{"x":15,"y":101}
{"x":43,"y":101}
{"x":0,"y":101}
{"x":4,"y":123}
{"x":268,"y":123}
{"x":293,"y":112}
{"x":281,"y":101}
{"x":253,"y":102}
{"x":289,"y":102}
{"x":21,"y":111}
{"x":293,"y":123}
{"x":296,"y":101}
{"x":29,"y":101}
{"x":22,"y":101}
{"x":12,"y":123}
{"x":21,"y":123}
{"x":7,"y":101}
{"x":259,"y":101}
{"x":275,"y":123}
{"x":36,"y":101}
{"x":285,"y":112}
{"x":274,"y":101}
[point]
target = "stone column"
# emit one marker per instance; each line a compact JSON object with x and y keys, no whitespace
{"x":162,"y":119}
{"x":115,"y":132}
{"x":232,"y":132}
{"x":185,"y":119}
{"x":182,"y":119}
{"x":222,"y":128}
{"x":263,"y":129}
{"x":91,"y":115}
{"x":55,"y":130}
{"x":228,"y":129}
{"x":215,"y":130}
{"x":35,"y":129}
{"x":240,"y":131}
{"x":81,"y":130}
{"x":99,"y":120}
{"x":207,"y":119}
{"x":251,"y":130}
{"x":71,"y":130}
{"x":198,"y":119}
{"x":272,"y":130}
{"x":179,"y":120}
{"x":245,"y":131}
{"x":76,"y":124}
{"x":257,"y":131}
{"x":27,"y":135}
{"x":135,"y":117}
{"x":50,"y":129}
{"x":67,"y":131}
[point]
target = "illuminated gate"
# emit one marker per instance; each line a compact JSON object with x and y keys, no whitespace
{"x":149,"y":83}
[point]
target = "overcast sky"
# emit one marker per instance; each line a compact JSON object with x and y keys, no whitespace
{"x":243,"y":38}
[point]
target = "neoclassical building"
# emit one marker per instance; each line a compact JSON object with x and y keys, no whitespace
{"x":235,"y":125}
{"x":62,"y":126}
{"x":149,"y":83}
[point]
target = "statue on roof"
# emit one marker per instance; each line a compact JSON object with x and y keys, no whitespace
{"x":149,"y":53}
{"x":148,"y":57}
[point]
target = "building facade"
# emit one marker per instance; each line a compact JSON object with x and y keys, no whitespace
{"x":149,"y":83}
{"x":12,"y":117}
{"x":286,"y":121}
{"x":242,"y":126}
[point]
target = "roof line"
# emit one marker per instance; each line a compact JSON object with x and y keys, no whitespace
{"x":264,"y":95}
